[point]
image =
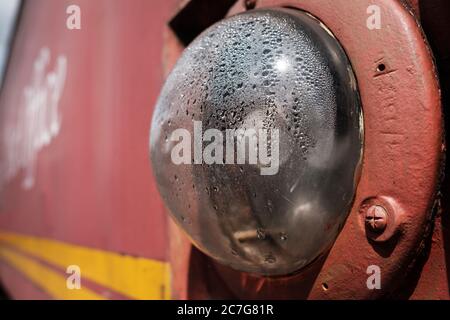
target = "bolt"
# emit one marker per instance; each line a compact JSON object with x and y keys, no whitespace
{"x":376,"y":218}
{"x":250,"y":4}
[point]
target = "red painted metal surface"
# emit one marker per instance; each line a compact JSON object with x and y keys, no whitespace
{"x":433,"y":281}
{"x":93,"y":184}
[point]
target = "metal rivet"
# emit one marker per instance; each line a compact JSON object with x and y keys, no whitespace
{"x":376,"y":219}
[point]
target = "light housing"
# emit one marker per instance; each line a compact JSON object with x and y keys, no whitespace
{"x":273,"y":69}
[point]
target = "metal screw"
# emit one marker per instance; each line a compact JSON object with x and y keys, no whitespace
{"x":376,"y":218}
{"x":250,"y":4}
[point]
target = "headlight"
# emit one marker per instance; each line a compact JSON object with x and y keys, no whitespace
{"x":277,"y":70}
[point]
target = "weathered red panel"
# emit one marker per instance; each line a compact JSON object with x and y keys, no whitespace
{"x":92,"y":183}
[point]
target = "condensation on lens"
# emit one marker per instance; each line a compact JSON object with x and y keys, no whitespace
{"x":272,"y":69}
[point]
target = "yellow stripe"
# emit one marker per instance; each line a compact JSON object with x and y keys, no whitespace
{"x":137,"y":278}
{"x":53,"y":283}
